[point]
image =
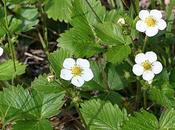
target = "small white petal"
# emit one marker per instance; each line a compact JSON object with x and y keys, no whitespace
{"x":87,"y":74}
{"x":143,"y":14}
{"x":150,"y":81}
{"x":68,"y":63}
{"x":138,"y":69}
{"x":151,"y":56}
{"x":157,"y":67}
{"x":151,"y":31}
{"x":77,"y":81}
{"x":140,"y":26}
{"x":161,"y":24}
{"x":1,"y":51}
{"x":140,"y":58}
{"x":156,"y":13}
{"x":66,"y":74}
{"x":83,"y":63}
{"x":148,"y":75}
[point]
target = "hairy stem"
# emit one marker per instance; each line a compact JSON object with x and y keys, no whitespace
{"x":145,"y":98}
{"x":9,"y":38}
{"x":81,"y":116}
{"x":44,"y":39}
{"x":144,"y":44}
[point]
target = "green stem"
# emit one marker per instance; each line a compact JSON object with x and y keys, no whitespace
{"x":145,"y":98}
{"x":112,"y":3}
{"x":104,"y":75}
{"x":81,"y":116}
{"x":144,"y":44}
{"x":132,"y":41}
{"x":134,"y":6}
{"x":124,"y":3}
{"x":10,"y":43}
{"x":75,"y":104}
{"x":43,"y":44}
{"x":137,"y":96}
{"x":44,"y":39}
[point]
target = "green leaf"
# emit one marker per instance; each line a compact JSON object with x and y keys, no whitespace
{"x":42,"y":85}
{"x":57,"y":58}
{"x":79,"y":42}
{"x":114,"y":14}
{"x":113,"y":97}
{"x":109,"y":33}
{"x":118,"y":53}
{"x":101,"y":115}
{"x":96,"y":82}
{"x":82,"y":35}
{"x":114,"y":80}
{"x":51,"y":104}
{"x":21,"y":1}
{"x":17,"y":102}
{"x":15,"y":25}
{"x":59,"y":9}
{"x":141,"y":121}
{"x":147,"y":121}
{"x":167,"y":120}
{"x":3,"y":29}
{"x":28,"y":18}
{"x":7,"y":70}
{"x":88,"y":12}
{"x":30,"y":105}
{"x":33,"y":125}
{"x":163,"y":96}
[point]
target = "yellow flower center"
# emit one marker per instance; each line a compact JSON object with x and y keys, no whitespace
{"x":147,"y":65}
{"x":150,"y":21}
{"x":76,"y":70}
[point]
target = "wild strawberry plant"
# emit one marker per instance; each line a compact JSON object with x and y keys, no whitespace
{"x":113,"y":65}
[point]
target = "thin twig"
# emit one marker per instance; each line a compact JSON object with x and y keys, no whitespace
{"x":33,"y":56}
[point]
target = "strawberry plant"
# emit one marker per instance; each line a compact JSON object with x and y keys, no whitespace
{"x":87,"y":65}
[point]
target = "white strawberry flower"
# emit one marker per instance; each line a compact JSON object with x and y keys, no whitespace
{"x":1,"y":51}
{"x":150,"y":22}
{"x":77,"y":71}
{"x":147,"y":66}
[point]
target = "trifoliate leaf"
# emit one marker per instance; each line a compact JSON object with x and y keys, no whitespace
{"x":147,"y":121}
{"x":101,"y":115}
{"x":25,"y":104}
{"x":141,"y":121}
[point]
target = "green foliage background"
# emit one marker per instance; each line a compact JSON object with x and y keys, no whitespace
{"x":115,"y":99}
